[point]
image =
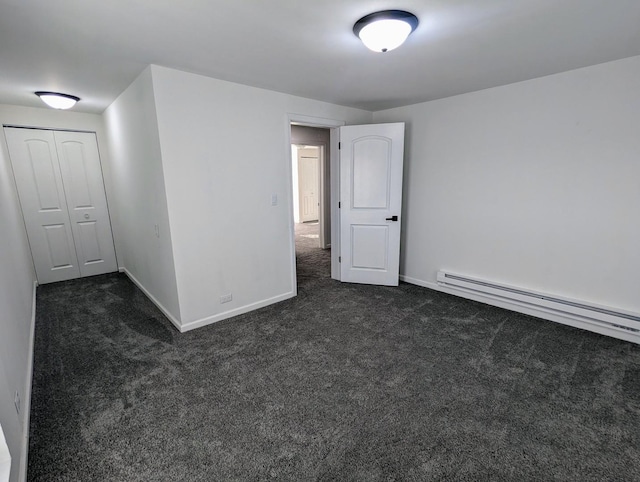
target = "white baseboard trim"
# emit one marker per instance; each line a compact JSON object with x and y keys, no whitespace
{"x":419,"y":282}
{"x":165,"y":312}
{"x":27,"y":390}
{"x":209,"y":319}
{"x":565,"y":319}
{"x":235,"y":312}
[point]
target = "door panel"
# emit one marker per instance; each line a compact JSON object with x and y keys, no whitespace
{"x":88,"y":238}
{"x":371,"y":168}
{"x":41,"y":163}
{"x":371,"y":161}
{"x":371,"y":245}
{"x":76,"y":178}
{"x":58,"y":244}
{"x":40,"y":189}
{"x":86,"y":201}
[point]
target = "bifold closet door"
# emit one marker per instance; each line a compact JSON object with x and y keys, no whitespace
{"x":86,"y":201}
{"x":61,"y":191}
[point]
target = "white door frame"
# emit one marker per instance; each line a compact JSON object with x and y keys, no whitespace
{"x":334,"y":180}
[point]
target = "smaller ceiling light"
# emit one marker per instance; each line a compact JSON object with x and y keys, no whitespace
{"x":386,"y":30}
{"x":58,"y":100}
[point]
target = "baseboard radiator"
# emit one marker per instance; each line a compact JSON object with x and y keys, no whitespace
{"x":601,"y":319}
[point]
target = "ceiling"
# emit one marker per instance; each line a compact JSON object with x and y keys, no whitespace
{"x":96,"y":49}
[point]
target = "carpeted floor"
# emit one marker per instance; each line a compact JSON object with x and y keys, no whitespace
{"x":312,"y":263}
{"x":344,"y":382}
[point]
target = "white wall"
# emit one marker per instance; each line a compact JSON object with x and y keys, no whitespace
{"x":16,"y":300}
{"x":535,"y":184}
{"x":140,"y":201}
{"x":225,"y":151}
{"x":17,"y":278}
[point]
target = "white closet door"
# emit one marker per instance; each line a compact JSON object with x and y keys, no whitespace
{"x":44,"y":207}
{"x":84,"y":190}
{"x":59,"y":181}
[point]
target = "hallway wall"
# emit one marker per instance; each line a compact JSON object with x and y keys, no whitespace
{"x":225,"y":151}
{"x":17,"y":278}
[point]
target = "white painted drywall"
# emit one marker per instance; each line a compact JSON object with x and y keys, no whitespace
{"x":534,"y":184}
{"x":16,"y":300}
{"x":227,"y":236}
{"x":140,"y":200}
{"x":17,"y":277}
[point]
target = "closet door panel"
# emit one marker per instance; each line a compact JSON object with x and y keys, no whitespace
{"x":86,"y":201}
{"x":44,"y":206}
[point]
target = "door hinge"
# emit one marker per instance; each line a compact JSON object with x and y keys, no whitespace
{"x":339,"y":145}
{"x":339,"y":204}
{"x":339,"y":259}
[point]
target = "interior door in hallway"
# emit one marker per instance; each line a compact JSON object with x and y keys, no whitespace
{"x":59,"y":182}
{"x":308,"y":161}
{"x":371,"y":165}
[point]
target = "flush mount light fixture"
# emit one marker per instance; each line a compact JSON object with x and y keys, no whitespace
{"x":58,"y":100}
{"x":386,"y":30}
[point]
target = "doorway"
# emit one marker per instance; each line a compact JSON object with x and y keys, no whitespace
{"x":332,"y":224}
{"x":307,"y":165}
{"x":311,"y":196}
{"x":367,"y":176}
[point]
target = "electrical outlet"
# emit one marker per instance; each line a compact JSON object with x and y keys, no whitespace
{"x":16,"y":401}
{"x":157,"y":230}
{"x":226,"y":298}
{"x":274,"y":199}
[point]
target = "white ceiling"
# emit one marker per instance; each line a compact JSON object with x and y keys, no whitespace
{"x":94,"y":49}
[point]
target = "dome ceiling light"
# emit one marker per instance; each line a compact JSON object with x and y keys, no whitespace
{"x":57,"y":100}
{"x":385,"y":30}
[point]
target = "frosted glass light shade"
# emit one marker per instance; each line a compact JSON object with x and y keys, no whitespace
{"x":385,"y":35}
{"x":57,"y":100}
{"x":386,"y":30}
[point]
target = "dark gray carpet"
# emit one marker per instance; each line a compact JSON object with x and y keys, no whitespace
{"x":312,"y":262}
{"x":344,"y":382}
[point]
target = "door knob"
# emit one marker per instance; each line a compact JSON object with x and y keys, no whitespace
{"x":392,"y":218}
{"x":86,"y":216}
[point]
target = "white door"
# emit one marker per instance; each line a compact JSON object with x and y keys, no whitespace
{"x":371,"y":161}
{"x":59,"y":182}
{"x":308,"y":183}
{"x":84,"y":190}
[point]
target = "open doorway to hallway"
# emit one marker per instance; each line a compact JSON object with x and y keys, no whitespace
{"x":311,"y":200}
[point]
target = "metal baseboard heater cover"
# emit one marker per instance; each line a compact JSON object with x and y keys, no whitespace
{"x":580,"y":310}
